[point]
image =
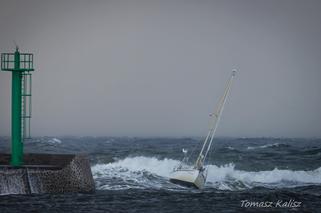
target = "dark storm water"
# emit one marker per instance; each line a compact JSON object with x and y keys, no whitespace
{"x":131,"y":175}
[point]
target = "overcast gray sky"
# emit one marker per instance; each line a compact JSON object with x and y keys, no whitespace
{"x":158,"y":68}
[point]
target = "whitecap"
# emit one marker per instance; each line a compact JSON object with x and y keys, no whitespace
{"x":263,"y":146}
{"x":150,"y":172}
{"x":54,"y":141}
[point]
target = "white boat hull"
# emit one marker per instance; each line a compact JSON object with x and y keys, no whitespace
{"x":189,"y":177}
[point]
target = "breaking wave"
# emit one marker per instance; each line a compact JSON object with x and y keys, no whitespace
{"x":54,"y":141}
{"x":267,"y":146}
{"x":150,"y":172}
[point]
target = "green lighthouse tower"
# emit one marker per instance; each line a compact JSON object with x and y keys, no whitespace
{"x":32,"y":173}
{"x":20,"y":64}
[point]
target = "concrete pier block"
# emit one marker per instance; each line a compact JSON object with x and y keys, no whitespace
{"x":46,"y":173}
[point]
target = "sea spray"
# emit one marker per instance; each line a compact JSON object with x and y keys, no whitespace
{"x":150,"y":172}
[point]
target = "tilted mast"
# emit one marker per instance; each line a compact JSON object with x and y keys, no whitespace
{"x":213,"y":124}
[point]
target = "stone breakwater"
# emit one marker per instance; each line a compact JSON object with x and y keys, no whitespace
{"x":46,"y":173}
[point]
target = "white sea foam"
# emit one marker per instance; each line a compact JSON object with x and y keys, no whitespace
{"x":54,"y":141}
{"x":137,"y":164}
{"x":140,"y":172}
{"x":263,"y":146}
{"x":275,"y":177}
{"x":230,"y":148}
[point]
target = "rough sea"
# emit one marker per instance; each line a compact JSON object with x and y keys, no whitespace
{"x":131,"y":175}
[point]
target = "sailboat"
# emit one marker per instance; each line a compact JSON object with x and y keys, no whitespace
{"x":195,"y":175}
